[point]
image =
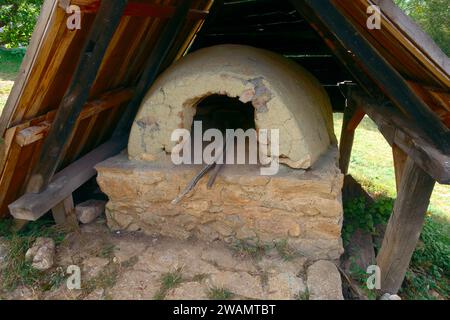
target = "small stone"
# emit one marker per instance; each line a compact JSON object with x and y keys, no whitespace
{"x":388,"y":296}
{"x":90,"y":210}
{"x":285,"y":286}
{"x":324,"y":281}
{"x":294,"y":230}
{"x":41,"y":254}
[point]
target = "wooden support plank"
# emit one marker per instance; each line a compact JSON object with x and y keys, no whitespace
{"x":399,"y":164}
{"x":105,"y":24}
{"x":32,"y":134}
{"x":152,"y":68}
{"x":404,"y":226}
{"x":32,"y":206}
{"x":386,"y":77}
{"x":38,"y":131}
{"x":400,"y":131}
{"x":353,"y":116}
{"x":63,"y":210}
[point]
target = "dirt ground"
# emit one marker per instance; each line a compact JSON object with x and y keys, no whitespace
{"x":135,"y":266}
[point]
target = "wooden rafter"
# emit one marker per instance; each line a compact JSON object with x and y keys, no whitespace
{"x":105,"y":24}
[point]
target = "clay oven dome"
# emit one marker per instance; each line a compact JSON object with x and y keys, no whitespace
{"x":284,"y":95}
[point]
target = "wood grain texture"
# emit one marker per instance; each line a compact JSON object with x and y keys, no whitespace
{"x":353,"y":116}
{"x":77,"y":94}
{"x":404,"y":226}
{"x":32,"y":206}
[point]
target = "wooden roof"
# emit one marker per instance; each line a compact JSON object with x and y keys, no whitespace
{"x":272,"y":24}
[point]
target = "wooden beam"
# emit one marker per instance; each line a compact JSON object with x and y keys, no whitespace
{"x":63,"y":210}
{"x":138,"y":9}
{"x":385,"y":76}
{"x":32,"y":206}
{"x":153,"y":65}
{"x":404,"y":226}
{"x":353,"y":116}
{"x":399,"y":130}
{"x":105,"y":24}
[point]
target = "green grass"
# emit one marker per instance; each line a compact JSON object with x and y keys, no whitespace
{"x":219,"y":294}
{"x":251,"y":249}
{"x":371,"y":164}
{"x":286,"y":252}
{"x":169,"y":281}
{"x":10,"y":61}
{"x":303,"y":295}
{"x":17,"y":271}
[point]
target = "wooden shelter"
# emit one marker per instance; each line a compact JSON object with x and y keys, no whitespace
{"x":78,"y":92}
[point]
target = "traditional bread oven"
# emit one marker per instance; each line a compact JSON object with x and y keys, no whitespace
{"x":300,"y":205}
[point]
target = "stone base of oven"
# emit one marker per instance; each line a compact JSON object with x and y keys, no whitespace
{"x":302,"y":209}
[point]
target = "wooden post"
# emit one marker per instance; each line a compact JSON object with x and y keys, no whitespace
{"x":105,"y":24}
{"x":404,"y":226}
{"x":399,"y":164}
{"x":63,"y":210}
{"x":352,"y":118}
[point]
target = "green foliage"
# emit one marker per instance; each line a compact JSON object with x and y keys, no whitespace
{"x":305,"y":295}
{"x":169,"y":281}
{"x":429,"y":270}
{"x":17,"y":20}
{"x":430,"y":263}
{"x":433,"y":16}
{"x":219,"y":294}
{"x":358,"y":215}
